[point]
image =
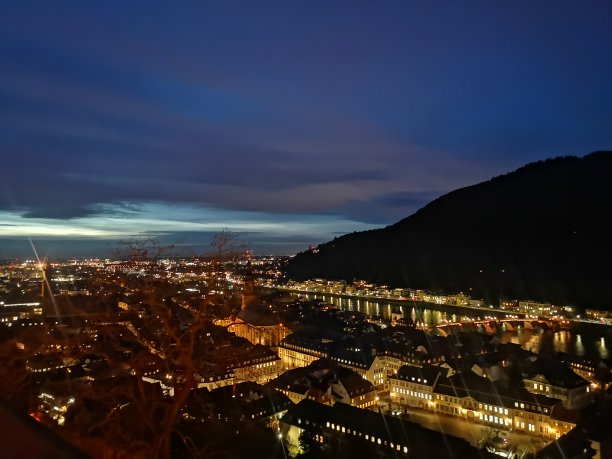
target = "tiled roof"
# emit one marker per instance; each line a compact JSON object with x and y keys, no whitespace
{"x":246,"y":399}
{"x":321,"y":374}
{"x":483,"y":390}
{"x":360,"y":358}
{"x":306,"y":341}
{"x":556,"y":373}
{"x":573,"y":444}
{"x":428,"y":374}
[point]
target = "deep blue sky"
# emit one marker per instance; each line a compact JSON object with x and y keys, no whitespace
{"x":288,"y":122}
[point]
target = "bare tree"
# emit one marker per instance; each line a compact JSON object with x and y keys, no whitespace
{"x":122,"y":415}
{"x":179,"y":346}
{"x":142,"y":248}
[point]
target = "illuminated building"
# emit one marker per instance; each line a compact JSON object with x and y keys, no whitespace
{"x":243,"y":401}
{"x":324,"y":381}
{"x":299,"y":350}
{"x":255,"y":322}
{"x":55,"y":407}
{"x":479,"y":401}
{"x":555,"y":379}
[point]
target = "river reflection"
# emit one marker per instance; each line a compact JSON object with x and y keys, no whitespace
{"x":591,"y":340}
{"x":582,"y":340}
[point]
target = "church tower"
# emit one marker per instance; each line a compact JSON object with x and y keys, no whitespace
{"x":248,"y":290}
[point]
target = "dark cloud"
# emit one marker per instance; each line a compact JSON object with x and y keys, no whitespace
{"x":388,"y":208}
{"x":406,"y":200}
{"x":365,"y":113}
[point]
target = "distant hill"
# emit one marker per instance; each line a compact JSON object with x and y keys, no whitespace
{"x":542,"y":232}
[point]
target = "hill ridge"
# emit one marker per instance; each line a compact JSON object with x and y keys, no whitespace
{"x":538,"y":232}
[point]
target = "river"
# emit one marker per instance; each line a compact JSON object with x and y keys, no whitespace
{"x":583,"y":339}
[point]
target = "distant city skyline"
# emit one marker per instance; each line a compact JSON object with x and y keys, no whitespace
{"x":289,"y":124}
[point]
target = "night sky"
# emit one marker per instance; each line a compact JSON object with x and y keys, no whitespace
{"x":287,"y":122}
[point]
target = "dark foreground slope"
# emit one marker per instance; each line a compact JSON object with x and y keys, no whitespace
{"x":542,"y":232}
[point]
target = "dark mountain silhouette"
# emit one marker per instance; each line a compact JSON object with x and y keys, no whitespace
{"x":542,"y":232}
